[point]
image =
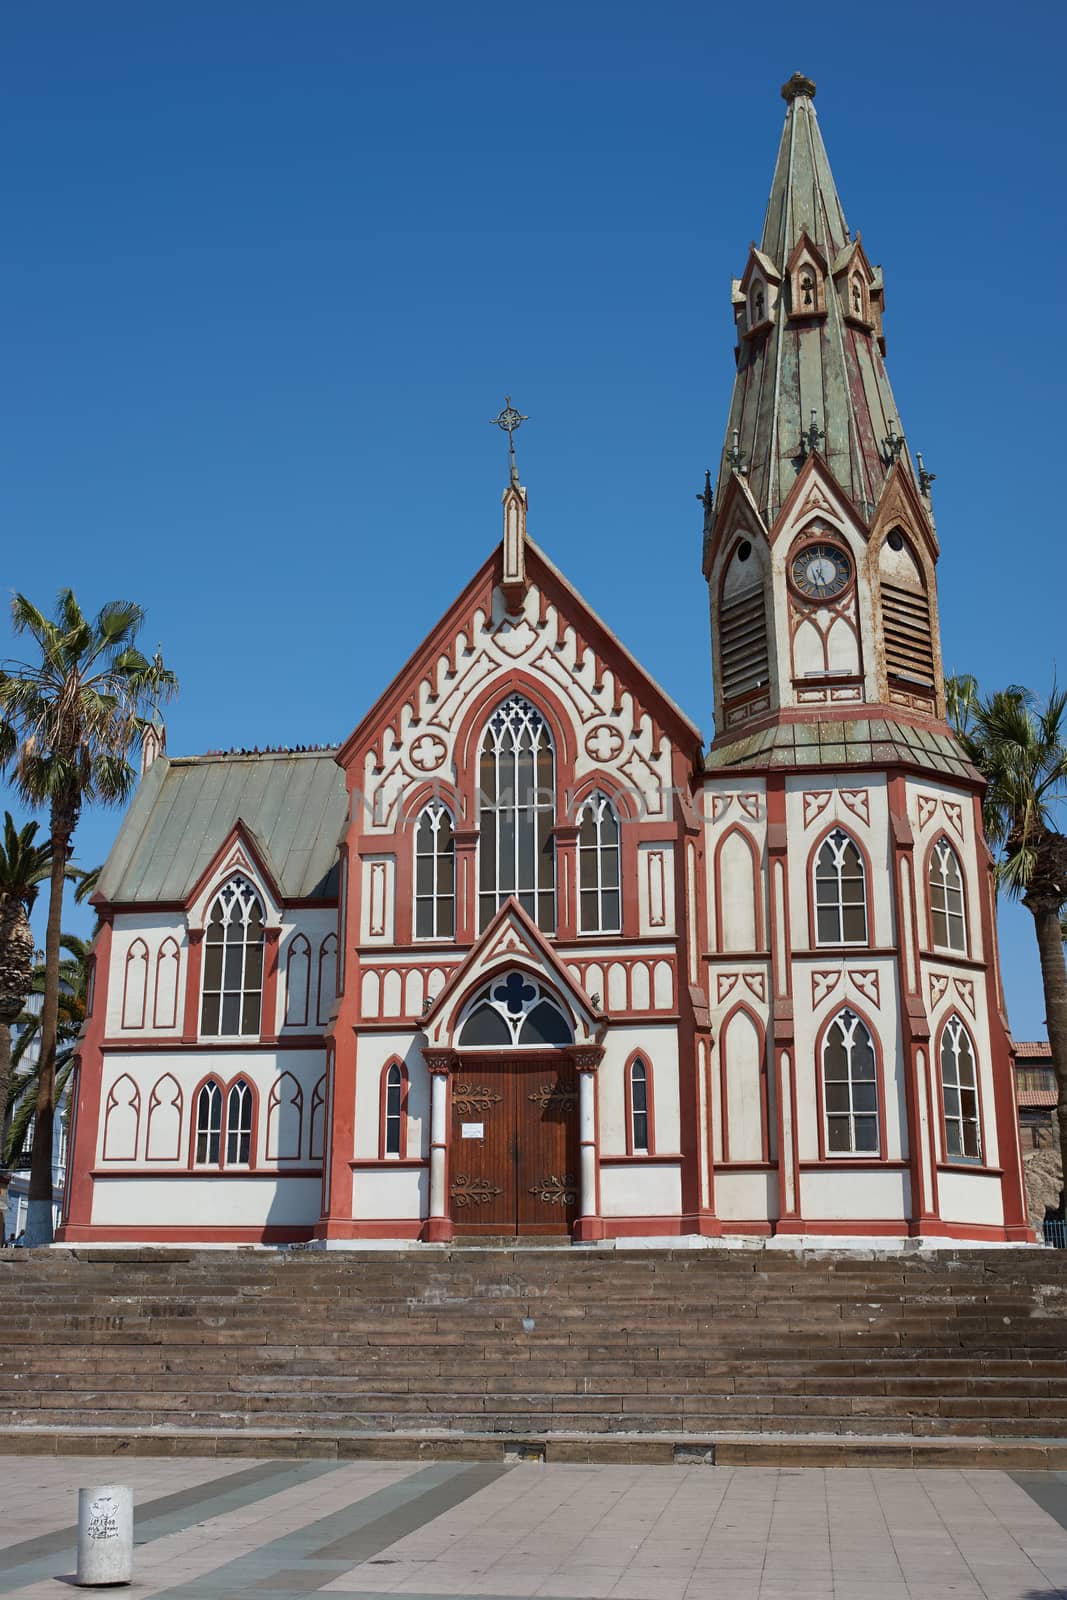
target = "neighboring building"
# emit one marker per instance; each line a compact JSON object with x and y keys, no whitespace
{"x":1036,"y":1094}
{"x":18,"y":1188}
{"x":521,"y":957}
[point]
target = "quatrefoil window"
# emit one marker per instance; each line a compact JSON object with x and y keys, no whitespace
{"x":514,"y":1011}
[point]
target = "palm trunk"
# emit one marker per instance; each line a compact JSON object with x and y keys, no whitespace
{"x":5,"y":1080}
{"x":1054,"y":980}
{"x":39,"y":1229}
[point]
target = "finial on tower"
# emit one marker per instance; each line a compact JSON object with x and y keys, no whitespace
{"x":707,"y":499}
{"x":510,"y":419}
{"x":798,"y":85}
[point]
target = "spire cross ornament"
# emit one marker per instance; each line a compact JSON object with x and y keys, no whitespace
{"x":812,"y":438}
{"x":510,"y":419}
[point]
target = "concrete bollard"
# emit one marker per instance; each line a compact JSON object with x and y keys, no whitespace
{"x":105,"y":1535}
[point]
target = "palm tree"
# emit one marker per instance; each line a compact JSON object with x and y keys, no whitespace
{"x":73,"y":992}
{"x":24,"y":865}
{"x":1020,"y":748}
{"x":69,"y":721}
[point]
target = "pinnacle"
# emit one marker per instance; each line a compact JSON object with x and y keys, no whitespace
{"x":798,"y":85}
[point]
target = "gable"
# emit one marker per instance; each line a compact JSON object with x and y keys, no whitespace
{"x":607,"y":713}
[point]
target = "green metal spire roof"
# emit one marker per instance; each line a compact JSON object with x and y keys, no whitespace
{"x":804,"y":365}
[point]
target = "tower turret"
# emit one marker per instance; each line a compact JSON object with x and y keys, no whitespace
{"x":821,"y":555}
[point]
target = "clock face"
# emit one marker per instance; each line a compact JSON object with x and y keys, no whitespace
{"x":821,"y":571}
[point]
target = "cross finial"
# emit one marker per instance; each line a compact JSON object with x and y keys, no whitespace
{"x":510,"y":419}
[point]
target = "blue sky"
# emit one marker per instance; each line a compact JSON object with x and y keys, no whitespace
{"x":270,"y":269}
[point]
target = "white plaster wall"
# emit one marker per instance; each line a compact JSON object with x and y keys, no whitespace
{"x":206,"y":1202}
{"x":969,"y":1197}
{"x":402,"y":1193}
{"x":655,"y":887}
{"x":188,"y":1068}
{"x":316,"y":926}
{"x":935,"y":809}
{"x":808,"y":821}
{"x":840,"y":1196}
{"x":153,"y":927}
{"x":659,"y":1046}
{"x":746,"y":1196}
{"x":377,"y":901}
{"x":725,"y":804}
{"x":373,"y":1051}
{"x":811,"y":1014}
{"x":945,"y":991}
{"x":634,"y":1190}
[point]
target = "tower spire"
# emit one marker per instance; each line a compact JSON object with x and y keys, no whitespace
{"x":809,"y":324}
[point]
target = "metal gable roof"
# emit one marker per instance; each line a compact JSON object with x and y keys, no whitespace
{"x":293,"y":803}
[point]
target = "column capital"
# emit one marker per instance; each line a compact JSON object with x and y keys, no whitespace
{"x":440,"y":1061}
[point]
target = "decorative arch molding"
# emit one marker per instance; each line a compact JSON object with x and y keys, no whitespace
{"x":735,"y":832}
{"x":165,"y":1108}
{"x":559,"y":717}
{"x":326,"y":989}
{"x":317,"y":1121}
{"x":165,"y":992}
{"x":827,"y":1023}
{"x":639,"y":1058}
{"x":393,"y":1111}
{"x":297,"y":981}
{"x":135,"y":985}
{"x":122,"y":1120}
{"x":743,"y":1148}
{"x":226,"y":1087}
{"x":421,"y":794}
{"x":285,"y":1119}
{"x":608,"y":783}
{"x":240,"y":852}
{"x":868,"y":882}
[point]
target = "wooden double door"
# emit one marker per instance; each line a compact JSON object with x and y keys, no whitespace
{"x":513,"y":1157}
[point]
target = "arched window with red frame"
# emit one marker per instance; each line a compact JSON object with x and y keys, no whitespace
{"x":394,"y":1111}
{"x":960,"y":1111}
{"x":948,"y":917}
{"x":638,"y":1107}
{"x":850,"y":1087}
{"x":599,"y":875}
{"x":516,"y":814}
{"x":840,"y":891}
{"x":233,"y":962}
{"x":208,"y":1124}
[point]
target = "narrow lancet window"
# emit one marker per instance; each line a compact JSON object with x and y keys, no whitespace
{"x":435,"y":873}
{"x":840,"y":892}
{"x":517,"y":807}
{"x":599,"y":902}
{"x":233,"y":962}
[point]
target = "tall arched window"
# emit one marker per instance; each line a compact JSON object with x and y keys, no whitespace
{"x":233,"y":961}
{"x":599,"y":898}
{"x":517,"y":804}
{"x":840,"y":892}
{"x":435,"y":873}
{"x":850,"y":1087}
{"x":947,"y":919}
{"x":209,"y":1125}
{"x":393,"y":1111}
{"x":638,"y":1097}
{"x":959,"y":1093}
{"x":239,"y":1124}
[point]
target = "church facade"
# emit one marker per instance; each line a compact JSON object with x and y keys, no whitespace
{"x":522,"y":956}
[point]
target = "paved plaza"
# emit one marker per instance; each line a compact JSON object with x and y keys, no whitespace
{"x":206,"y":1529}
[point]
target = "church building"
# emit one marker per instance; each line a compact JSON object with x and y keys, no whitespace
{"x":525,"y":956}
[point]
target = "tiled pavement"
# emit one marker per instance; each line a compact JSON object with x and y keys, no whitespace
{"x":207,"y":1530}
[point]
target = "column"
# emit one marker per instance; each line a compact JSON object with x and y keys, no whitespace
{"x":438,"y":1228}
{"x":589,"y":1226}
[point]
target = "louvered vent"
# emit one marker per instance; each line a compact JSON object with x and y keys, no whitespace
{"x":909,"y":649}
{"x":743,"y":643}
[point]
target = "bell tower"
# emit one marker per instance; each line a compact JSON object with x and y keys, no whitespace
{"x":820,"y":555}
{"x":856,"y":1063}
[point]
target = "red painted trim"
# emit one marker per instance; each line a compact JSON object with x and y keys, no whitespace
{"x":134,"y":1106}
{"x":383,"y":1155}
{"x":269,"y":1233}
{"x":299,"y":946}
{"x":211,"y":1174}
{"x":162,"y":1021}
{"x":326,"y":955}
{"x":268,"y":1000}
{"x":637,"y":1160}
{"x":191,"y":1018}
{"x":472,"y":725}
{"x":877,"y":1157}
{"x":388,"y":1163}
{"x":864,"y":1163}
{"x":757,"y":889}
{"x":239,"y":835}
{"x":133,"y":1015}
{"x":643,"y":1057}
{"x":177,"y":1104}
{"x":926,"y":893}
{"x":944,"y":1160}
{"x":274,"y":1104}
{"x":376,"y":1228}
{"x":863,"y":945}
{"x":318,"y":1104}
{"x":761,"y":1034}
{"x":213,"y":1047}
{"x":85,"y":1132}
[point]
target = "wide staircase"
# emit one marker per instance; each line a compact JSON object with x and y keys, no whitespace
{"x":946,"y":1357}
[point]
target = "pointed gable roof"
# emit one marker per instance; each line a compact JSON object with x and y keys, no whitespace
{"x":828,"y":366}
{"x":511,"y":939}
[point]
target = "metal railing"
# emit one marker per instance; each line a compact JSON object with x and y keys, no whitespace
{"x":1055,"y":1232}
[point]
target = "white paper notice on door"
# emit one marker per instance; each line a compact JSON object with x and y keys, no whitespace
{"x":472,"y":1130}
